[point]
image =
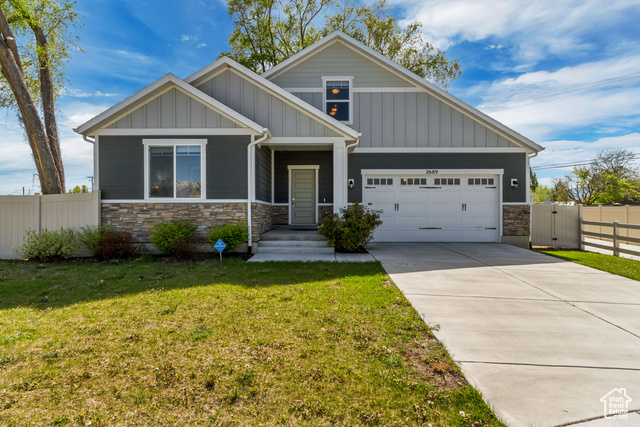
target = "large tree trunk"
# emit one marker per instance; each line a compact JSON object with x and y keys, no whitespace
{"x":48,"y":104}
{"x":51,"y":176}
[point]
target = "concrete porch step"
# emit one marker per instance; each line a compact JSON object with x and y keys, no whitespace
{"x":294,"y":250}
{"x":291,"y":235}
{"x":296,"y":243}
{"x":293,"y":242}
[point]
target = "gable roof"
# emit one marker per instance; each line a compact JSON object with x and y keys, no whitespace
{"x":361,"y":48}
{"x":155,"y":89}
{"x":225,"y":63}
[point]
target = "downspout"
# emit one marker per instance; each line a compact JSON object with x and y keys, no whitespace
{"x":250,"y":179}
{"x":346,"y":161}
{"x":86,"y":138}
{"x":528,"y":180}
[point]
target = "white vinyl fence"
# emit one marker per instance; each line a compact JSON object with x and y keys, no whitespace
{"x":21,"y":213}
{"x":556,"y":225}
{"x":612,"y":228}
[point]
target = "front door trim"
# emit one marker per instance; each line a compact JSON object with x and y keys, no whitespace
{"x":315,"y":202}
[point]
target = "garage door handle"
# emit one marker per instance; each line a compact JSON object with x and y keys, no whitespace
{"x":430,"y":228}
{"x":464,"y":207}
{"x":491,"y":228}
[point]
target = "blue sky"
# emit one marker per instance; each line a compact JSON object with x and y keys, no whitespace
{"x":566,"y":74}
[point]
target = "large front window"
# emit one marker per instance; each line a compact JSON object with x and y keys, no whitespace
{"x":337,"y":98}
{"x":174,"y":170}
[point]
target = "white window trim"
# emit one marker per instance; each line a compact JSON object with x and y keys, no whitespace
{"x":173,"y":143}
{"x":350,"y":101}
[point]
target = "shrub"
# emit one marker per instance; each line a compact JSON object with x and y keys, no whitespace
{"x":49,"y":245}
{"x":117,"y":245}
{"x":172,"y":237}
{"x":231,"y":234}
{"x":351,"y":229}
{"x":91,"y":238}
{"x":109,"y":244}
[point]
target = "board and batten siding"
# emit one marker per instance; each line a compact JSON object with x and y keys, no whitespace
{"x":121,"y":166}
{"x":174,"y":110}
{"x":338,"y":60}
{"x":513,"y":164}
{"x":412,"y":119}
{"x":324,"y":159}
{"x":282,"y":119}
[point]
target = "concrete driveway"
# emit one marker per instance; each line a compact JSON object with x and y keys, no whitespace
{"x":542,"y":339}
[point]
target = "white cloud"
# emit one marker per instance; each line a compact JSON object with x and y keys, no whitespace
{"x":75,"y":93}
{"x":188,"y":37}
{"x":533,"y":28}
{"x":16,"y":163}
{"x":541,"y":103}
{"x":201,"y":45}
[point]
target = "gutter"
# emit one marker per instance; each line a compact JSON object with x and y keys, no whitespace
{"x":250,"y":178}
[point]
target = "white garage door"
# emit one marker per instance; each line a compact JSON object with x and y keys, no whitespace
{"x":461,"y":208}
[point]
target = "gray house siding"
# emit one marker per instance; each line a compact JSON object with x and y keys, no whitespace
{"x":122,"y":167}
{"x":227,"y":167}
{"x":412,"y":119}
{"x":338,"y":60}
{"x":514,"y":165}
{"x":121,"y":171}
{"x":173,"y":110}
{"x":258,"y":105}
{"x":325,"y":174}
{"x":263,"y":174}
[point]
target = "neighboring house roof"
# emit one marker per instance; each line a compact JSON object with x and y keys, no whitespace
{"x":156,"y":89}
{"x":338,"y":36}
{"x":226,"y":63}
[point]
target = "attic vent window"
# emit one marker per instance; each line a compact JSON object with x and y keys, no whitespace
{"x":338,"y":98}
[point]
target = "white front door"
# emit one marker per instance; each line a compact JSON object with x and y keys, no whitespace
{"x":461,"y":208}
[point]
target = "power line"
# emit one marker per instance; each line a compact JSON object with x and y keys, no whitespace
{"x":634,"y":156}
{"x":624,"y":80}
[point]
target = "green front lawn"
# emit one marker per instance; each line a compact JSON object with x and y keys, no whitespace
{"x":612,"y":264}
{"x":204,"y":343}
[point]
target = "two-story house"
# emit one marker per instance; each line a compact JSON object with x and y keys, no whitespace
{"x":334,"y":124}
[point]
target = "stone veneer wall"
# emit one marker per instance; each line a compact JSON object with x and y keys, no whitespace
{"x":137,"y":218}
{"x":281,"y":214}
{"x":324,"y":211}
{"x":262,"y":219}
{"x":516,"y":220}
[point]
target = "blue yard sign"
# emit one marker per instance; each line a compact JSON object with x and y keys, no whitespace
{"x":220,"y":245}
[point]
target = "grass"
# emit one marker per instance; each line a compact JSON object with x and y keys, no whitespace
{"x":231,"y":344}
{"x":612,"y":264}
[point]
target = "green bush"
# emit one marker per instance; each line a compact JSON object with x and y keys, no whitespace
{"x":49,"y":245}
{"x":91,"y":237}
{"x":231,"y":234}
{"x":109,"y":244}
{"x":172,"y":237}
{"x":351,"y":229}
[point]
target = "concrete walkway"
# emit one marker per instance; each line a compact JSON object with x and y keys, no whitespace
{"x":310,"y":258}
{"x":542,"y":339}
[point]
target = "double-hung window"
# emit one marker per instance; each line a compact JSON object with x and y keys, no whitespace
{"x":175,"y":168}
{"x":338,"y":97}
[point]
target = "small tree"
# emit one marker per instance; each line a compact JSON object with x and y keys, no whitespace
{"x":610,"y":177}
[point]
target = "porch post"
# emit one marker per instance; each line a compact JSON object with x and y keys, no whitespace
{"x":339,"y":176}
